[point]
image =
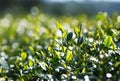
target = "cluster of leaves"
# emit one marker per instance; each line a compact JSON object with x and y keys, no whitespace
{"x":79,"y":53}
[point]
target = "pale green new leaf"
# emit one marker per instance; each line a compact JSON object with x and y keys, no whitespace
{"x":30,"y":63}
{"x":77,"y":31}
{"x":113,"y":45}
{"x":59,"y":26}
{"x":21,"y":79}
{"x":42,"y":53}
{"x":49,"y":49}
{"x":57,"y":54}
{"x":23,"y":55}
{"x":64,"y":34}
{"x":84,"y":70}
{"x":108,"y":41}
{"x":31,"y":48}
{"x":69,"y":56}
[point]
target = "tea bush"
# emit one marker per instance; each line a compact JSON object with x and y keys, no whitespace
{"x":45,"y":48}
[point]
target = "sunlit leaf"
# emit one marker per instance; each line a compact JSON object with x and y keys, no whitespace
{"x":113,"y":45}
{"x":31,"y":48}
{"x":30,"y":63}
{"x":108,"y":41}
{"x":64,"y":65}
{"x":64,"y":34}
{"x":101,"y":16}
{"x":84,"y":70}
{"x":23,"y":55}
{"x":115,"y":32}
{"x":59,"y":26}
{"x":21,"y":79}
{"x":77,"y":31}
{"x":101,"y":32}
{"x":42,"y":53}
{"x":43,"y":65}
{"x":49,"y":49}
{"x":26,"y":67}
{"x":57,"y":54}
{"x":69,"y":56}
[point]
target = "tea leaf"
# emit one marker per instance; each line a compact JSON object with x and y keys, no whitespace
{"x":57,"y":54}
{"x":77,"y":31}
{"x":101,"y":16}
{"x":69,"y":56}
{"x":64,"y":34}
{"x":84,"y":70}
{"x":26,"y":67}
{"x":108,"y":41}
{"x":115,"y":32}
{"x":49,"y":49}
{"x":31,"y":48}
{"x":113,"y":45}
{"x":21,"y":79}
{"x":80,"y":40}
{"x":69,"y":36}
{"x":59,"y":26}
{"x":43,"y":65}
{"x":30,"y":63}
{"x":64,"y":65}
{"x":23,"y":55}
{"x":117,"y":64}
{"x":42,"y":53}
{"x":101,"y":32}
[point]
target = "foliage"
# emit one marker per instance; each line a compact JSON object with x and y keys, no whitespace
{"x":36,"y":47}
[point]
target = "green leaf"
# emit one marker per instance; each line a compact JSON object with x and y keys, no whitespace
{"x":117,"y":64}
{"x":108,"y":41}
{"x":59,"y":26}
{"x":80,"y":40}
{"x":30,"y":63}
{"x":84,"y":70}
{"x":42,"y":53}
{"x":69,"y":36}
{"x":113,"y":45}
{"x":57,"y":54}
{"x":43,"y":65}
{"x":31,"y":48}
{"x":101,"y":16}
{"x":26,"y":67}
{"x":115,"y":32}
{"x":21,"y":79}
{"x":69,"y":56}
{"x":49,"y":49}
{"x":77,"y":31}
{"x":101,"y":32}
{"x":23,"y":55}
{"x":64,"y":65}
{"x":64,"y":34}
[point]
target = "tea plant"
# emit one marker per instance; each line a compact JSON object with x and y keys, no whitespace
{"x":36,"y":48}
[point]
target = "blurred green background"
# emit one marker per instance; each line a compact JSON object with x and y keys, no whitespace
{"x":60,"y":7}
